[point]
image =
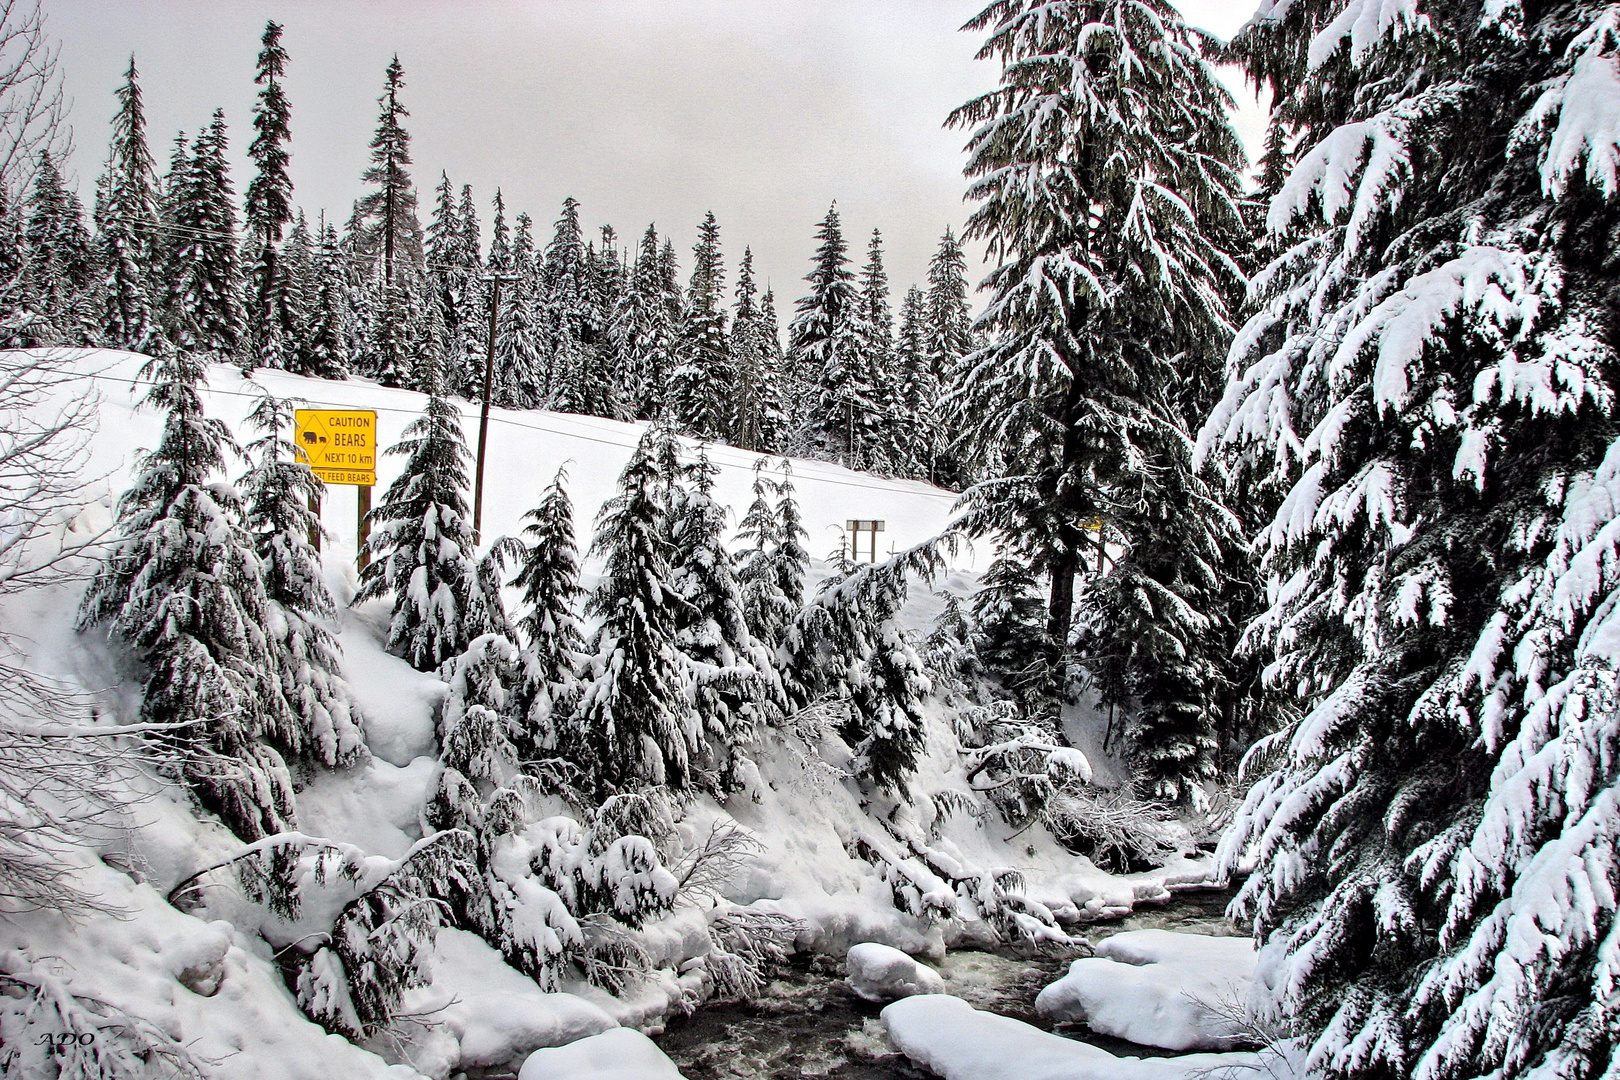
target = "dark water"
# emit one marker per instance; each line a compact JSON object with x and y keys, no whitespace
{"x":808,"y":1023}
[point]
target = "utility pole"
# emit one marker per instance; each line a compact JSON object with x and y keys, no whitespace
{"x":483,"y":410}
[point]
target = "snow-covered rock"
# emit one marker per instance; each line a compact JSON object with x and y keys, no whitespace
{"x":620,"y":1054}
{"x":959,"y":1042}
{"x":1157,"y":988}
{"x":879,"y":973}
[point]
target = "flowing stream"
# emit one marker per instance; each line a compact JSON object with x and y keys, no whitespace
{"x":808,"y":1023}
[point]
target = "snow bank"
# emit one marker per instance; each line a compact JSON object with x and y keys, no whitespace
{"x":1157,"y":988}
{"x":959,"y":1042}
{"x":488,"y":1015}
{"x":879,"y":973}
{"x":205,"y":985}
{"x":620,"y":1054}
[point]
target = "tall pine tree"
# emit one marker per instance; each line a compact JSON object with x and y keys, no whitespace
{"x":421,"y":544}
{"x":700,"y":387}
{"x":184,"y":589}
{"x":385,"y":229}
{"x":826,"y":352}
{"x":271,"y":319}
{"x":204,"y":308}
{"x":1425,"y":394}
{"x":128,"y":225}
{"x":1106,"y":176}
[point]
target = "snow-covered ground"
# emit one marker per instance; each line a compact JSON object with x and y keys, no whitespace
{"x":215,"y":984}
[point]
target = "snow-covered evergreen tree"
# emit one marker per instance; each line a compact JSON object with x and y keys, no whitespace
{"x":1007,"y":617}
{"x":564,"y":289}
{"x":271,"y":319}
{"x":771,"y":567}
{"x":886,"y":452}
{"x":947,"y":342}
{"x":1425,"y":393}
{"x":421,"y":543}
{"x":452,"y":273}
{"x":757,"y":414}
{"x":204,"y":305}
{"x":56,"y":287}
{"x":1106,"y":174}
{"x":521,"y":343}
{"x":847,"y":648}
{"x":826,"y":351}
{"x":184,"y":590}
{"x":278,"y":493}
{"x":736,"y":691}
{"x":553,"y":641}
{"x":641,"y":335}
{"x":329,"y":346}
{"x":701,"y":385}
{"x":128,"y":225}
{"x":917,"y":389}
{"x":635,"y":724}
{"x":384,"y":228}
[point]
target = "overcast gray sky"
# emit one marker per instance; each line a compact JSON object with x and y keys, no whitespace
{"x":764,"y":111}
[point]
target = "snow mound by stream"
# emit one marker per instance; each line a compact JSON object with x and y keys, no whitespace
{"x":879,"y":973}
{"x":1158,"y":988}
{"x":959,"y":1042}
{"x":619,"y":1054}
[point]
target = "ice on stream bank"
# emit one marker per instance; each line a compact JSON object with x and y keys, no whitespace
{"x":957,"y":1041}
{"x":1158,"y":988}
{"x":879,"y":973}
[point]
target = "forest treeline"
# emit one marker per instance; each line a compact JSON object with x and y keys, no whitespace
{"x":586,"y":324}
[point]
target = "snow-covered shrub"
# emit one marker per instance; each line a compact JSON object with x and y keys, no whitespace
{"x":745,"y":945}
{"x":1111,"y":827}
{"x":531,"y":923}
{"x":1022,"y":765}
{"x":930,"y":884}
{"x":704,"y":871}
{"x":951,"y":653}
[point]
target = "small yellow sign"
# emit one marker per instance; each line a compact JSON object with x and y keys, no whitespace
{"x":339,"y":445}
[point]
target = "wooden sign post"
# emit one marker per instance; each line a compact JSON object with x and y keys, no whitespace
{"x":858,"y":526}
{"x":340,"y":447}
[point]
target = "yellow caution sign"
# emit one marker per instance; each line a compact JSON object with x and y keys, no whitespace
{"x":339,"y":445}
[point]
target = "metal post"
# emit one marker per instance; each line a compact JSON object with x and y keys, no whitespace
{"x":363,"y":532}
{"x":315,"y":523}
{"x":483,"y":410}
